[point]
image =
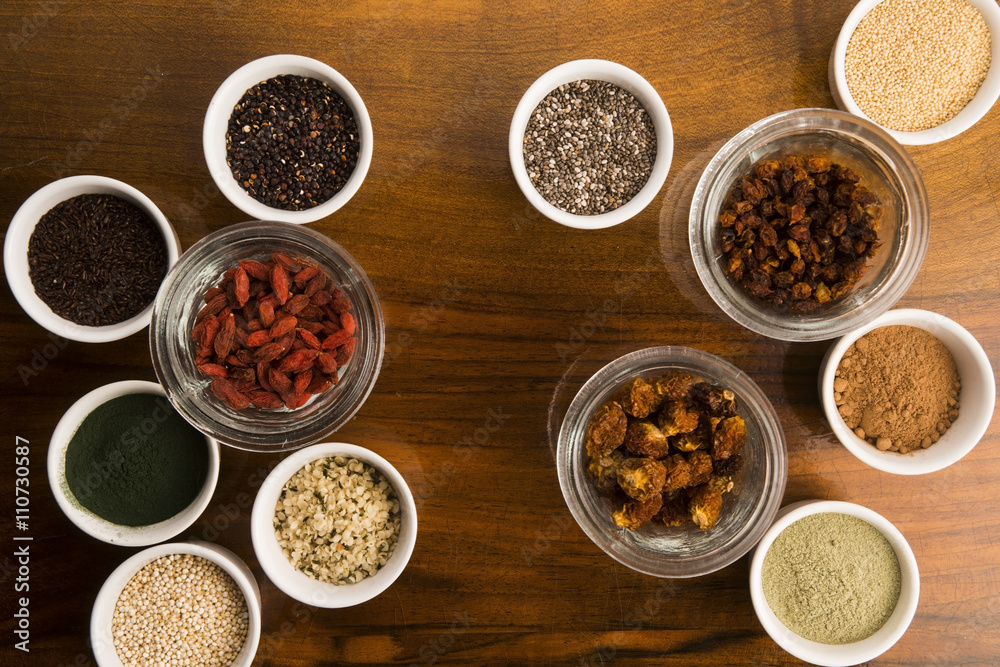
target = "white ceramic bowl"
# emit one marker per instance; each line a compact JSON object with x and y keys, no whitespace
{"x":220,"y":109}
{"x":87,"y":521}
{"x":15,"y":254}
{"x":104,"y":606}
{"x":976,"y":401}
{"x":966,"y":118}
{"x":843,"y":654}
{"x":296,"y":584}
{"x":623,"y":77}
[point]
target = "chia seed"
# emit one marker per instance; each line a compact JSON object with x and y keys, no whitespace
{"x":292,"y":142}
{"x":96,"y":260}
{"x":589,"y":147}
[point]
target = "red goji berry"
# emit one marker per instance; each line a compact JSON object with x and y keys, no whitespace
{"x":335,"y":340}
{"x":279,"y":283}
{"x":228,"y":394}
{"x":264,"y":399}
{"x":258,"y":338}
{"x":308,"y":338}
{"x":242,"y":282}
{"x":302,"y":381}
{"x":279,"y":381}
{"x":282,"y":326}
{"x":298,"y":361}
{"x":348,"y":323}
{"x":255,"y":269}
{"x":213,"y":370}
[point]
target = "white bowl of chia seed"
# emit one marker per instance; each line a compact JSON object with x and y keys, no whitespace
{"x":612,"y":159}
{"x":75,"y":242}
{"x":325,"y":179}
{"x":936,"y":33}
{"x":143,"y":611}
{"x":862,"y":577}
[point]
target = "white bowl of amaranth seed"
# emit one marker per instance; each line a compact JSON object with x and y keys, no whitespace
{"x":834,"y":583}
{"x":926,"y":71}
{"x":590,"y":144}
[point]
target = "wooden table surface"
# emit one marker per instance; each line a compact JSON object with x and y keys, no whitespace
{"x":494,"y":317}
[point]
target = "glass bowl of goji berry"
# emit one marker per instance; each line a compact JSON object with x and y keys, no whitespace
{"x":809,"y":224}
{"x":267,"y":336}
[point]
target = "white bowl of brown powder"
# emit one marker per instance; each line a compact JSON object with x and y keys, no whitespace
{"x":910,"y":393}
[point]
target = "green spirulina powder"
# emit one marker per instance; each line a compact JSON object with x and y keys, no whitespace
{"x":831,"y":578}
{"x":134,"y":461}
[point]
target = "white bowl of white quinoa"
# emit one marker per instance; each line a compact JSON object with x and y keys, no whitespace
{"x":334,"y":525}
{"x":926,"y":70}
{"x":137,"y":617}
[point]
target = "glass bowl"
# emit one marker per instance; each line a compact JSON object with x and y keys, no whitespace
{"x":884,"y":167}
{"x":180,"y":299}
{"x":680,"y":551}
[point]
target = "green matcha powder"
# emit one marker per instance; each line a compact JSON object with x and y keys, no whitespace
{"x":831,"y":578}
{"x":134,"y":461}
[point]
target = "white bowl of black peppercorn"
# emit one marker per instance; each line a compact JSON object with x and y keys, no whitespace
{"x":266,"y":190}
{"x":71,"y":257}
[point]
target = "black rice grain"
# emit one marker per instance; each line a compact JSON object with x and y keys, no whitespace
{"x":96,"y":260}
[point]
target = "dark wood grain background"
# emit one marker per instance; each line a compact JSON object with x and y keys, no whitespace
{"x":489,"y":310}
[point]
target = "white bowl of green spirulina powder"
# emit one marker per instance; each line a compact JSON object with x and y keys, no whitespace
{"x":834,"y":583}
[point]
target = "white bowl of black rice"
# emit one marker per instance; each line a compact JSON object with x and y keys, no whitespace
{"x":287,"y":138}
{"x":85,"y":255}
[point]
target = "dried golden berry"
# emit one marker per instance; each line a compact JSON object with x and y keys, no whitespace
{"x":604,"y":469}
{"x":634,"y":514}
{"x":642,"y":438}
{"x":639,"y":399}
{"x":729,"y":438}
{"x":677,"y":417}
{"x":606,"y":430}
{"x":641,"y":478}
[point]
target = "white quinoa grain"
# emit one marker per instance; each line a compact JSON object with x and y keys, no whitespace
{"x":914,"y":64}
{"x":337,"y":520}
{"x":180,"y":610}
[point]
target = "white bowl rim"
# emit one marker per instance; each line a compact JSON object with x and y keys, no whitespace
{"x":601,"y":70}
{"x":973,"y":112}
{"x":838,"y":655}
{"x":93,"y":525}
{"x":107,"y":598}
{"x":220,"y":109}
{"x":15,"y":254}
{"x":921,"y":461}
{"x":296,"y":584}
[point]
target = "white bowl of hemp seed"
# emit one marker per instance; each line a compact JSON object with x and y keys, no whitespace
{"x":590,"y":144}
{"x":926,"y":71}
{"x":334,"y":525}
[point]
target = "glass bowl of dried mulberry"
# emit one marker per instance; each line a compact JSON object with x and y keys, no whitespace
{"x":672,"y":461}
{"x":267,"y":336}
{"x":808,"y":224}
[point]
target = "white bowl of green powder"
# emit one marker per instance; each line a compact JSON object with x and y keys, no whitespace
{"x":127,"y":469}
{"x":834,"y":583}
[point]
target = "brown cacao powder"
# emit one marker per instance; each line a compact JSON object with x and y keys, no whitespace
{"x":898,"y":387}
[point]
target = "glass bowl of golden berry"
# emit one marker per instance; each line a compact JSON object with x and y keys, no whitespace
{"x":672,"y":461}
